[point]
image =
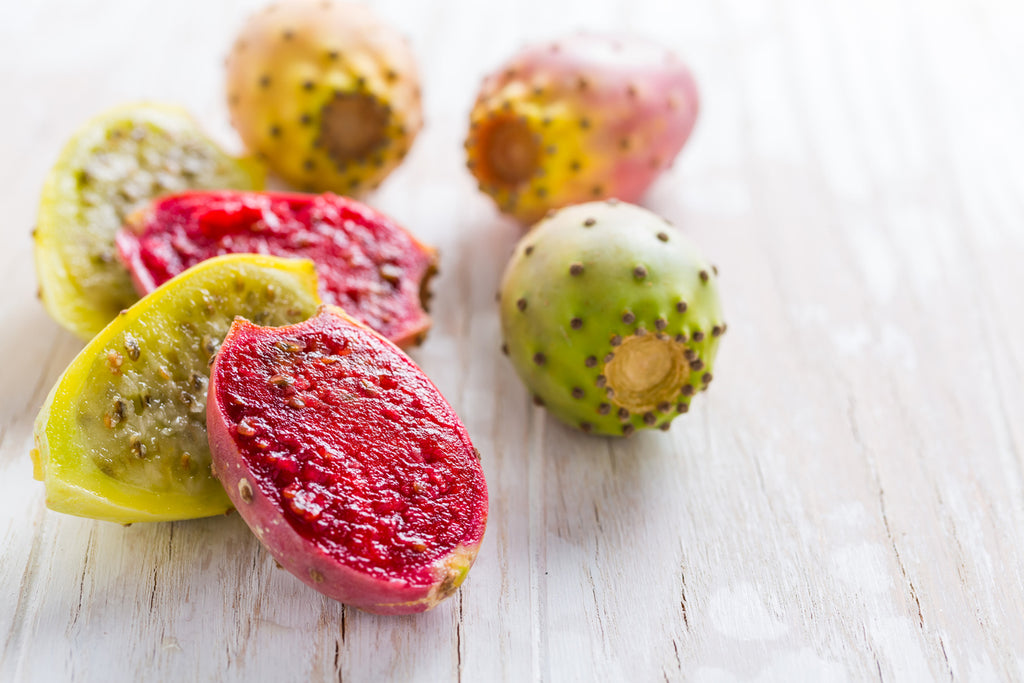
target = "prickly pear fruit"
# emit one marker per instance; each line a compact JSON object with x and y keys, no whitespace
{"x":122,"y":435}
{"x":326,"y":93}
{"x":112,"y":166}
{"x":585,"y":118}
{"x":346,"y":462}
{"x":611,"y":317}
{"x":366,"y":263}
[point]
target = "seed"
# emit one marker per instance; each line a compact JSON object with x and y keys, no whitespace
{"x":281,"y":380}
{"x":577,"y":393}
{"x":639,"y":272}
{"x":600,"y":381}
{"x":604,"y":409}
{"x":186,"y":461}
{"x":698,"y":336}
{"x":663,"y":236}
{"x":575,"y":323}
{"x":650,"y":418}
{"x":115,"y":416}
{"x":114,"y":360}
{"x":539,"y":358}
{"x":576,"y":269}
{"x":628,"y":317}
{"x":245,"y":490}
{"x":138,"y":448}
{"x":623,"y":414}
{"x":296,"y":402}
{"x":245,"y":429}
{"x":589,"y":223}
{"x":186,"y":398}
{"x":681,"y":307}
{"x":162,"y":371}
{"x":132,"y":346}
{"x":521,"y":304}
{"x":627,"y":430}
{"x":209,"y":345}
{"x":590,"y":361}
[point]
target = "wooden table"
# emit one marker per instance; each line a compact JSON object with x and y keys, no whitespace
{"x":846,"y":503}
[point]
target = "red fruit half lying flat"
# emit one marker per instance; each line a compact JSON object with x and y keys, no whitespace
{"x":365,"y":262}
{"x":346,"y":462}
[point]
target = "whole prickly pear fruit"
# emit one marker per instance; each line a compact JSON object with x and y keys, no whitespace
{"x":611,"y":317}
{"x":326,"y":93}
{"x":365,"y":262}
{"x":585,"y":118}
{"x":111,"y":167}
{"x":122,"y":435}
{"x":346,"y":462}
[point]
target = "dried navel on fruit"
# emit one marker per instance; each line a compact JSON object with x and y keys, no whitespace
{"x":366,"y":263}
{"x":588,"y":117}
{"x":346,"y":462}
{"x":113,"y":166}
{"x":122,"y":435}
{"x":326,"y":93}
{"x":611,"y":317}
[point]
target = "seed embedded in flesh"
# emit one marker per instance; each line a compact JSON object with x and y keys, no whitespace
{"x":245,"y":429}
{"x":131,"y":345}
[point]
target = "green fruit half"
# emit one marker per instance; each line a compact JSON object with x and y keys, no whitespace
{"x":122,"y":435}
{"x":110,"y":168}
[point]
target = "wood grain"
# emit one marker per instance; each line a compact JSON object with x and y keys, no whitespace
{"x":846,"y":503}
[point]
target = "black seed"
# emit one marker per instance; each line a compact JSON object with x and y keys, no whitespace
{"x":528,"y":250}
{"x":663,"y":236}
{"x":687,"y":390}
{"x":682,"y":407}
{"x":132,"y":346}
{"x":590,"y":362}
{"x":604,"y":409}
{"x":615,"y":340}
{"x":589,"y":222}
{"x":704,"y":276}
{"x":521,"y":304}
{"x":539,"y":358}
{"x":650,"y":418}
{"x":623,"y":414}
{"x":627,"y":430}
{"x":660,"y":324}
{"x":664,"y":407}
{"x":716,"y":331}
{"x":640,"y":272}
{"x":698,"y":336}
{"x":577,"y":393}
{"x":576,"y":269}
{"x":706,"y":378}
{"x":137,"y":447}
{"x":575,"y":323}
{"x":600,"y":381}
{"x":681,"y":307}
{"x":628,"y":317}
{"x":586,"y":426}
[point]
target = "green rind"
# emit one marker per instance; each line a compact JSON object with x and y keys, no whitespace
{"x":621,"y":238}
{"x":67,"y":461}
{"x":62,"y":241}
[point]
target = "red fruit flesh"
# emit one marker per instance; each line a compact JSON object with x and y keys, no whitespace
{"x":346,"y":462}
{"x":365,"y":262}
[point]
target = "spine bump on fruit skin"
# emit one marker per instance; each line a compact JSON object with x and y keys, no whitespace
{"x":611,"y":317}
{"x":326,"y":93}
{"x":586,"y":118}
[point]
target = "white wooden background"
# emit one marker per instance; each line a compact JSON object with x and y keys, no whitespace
{"x":846,"y":503}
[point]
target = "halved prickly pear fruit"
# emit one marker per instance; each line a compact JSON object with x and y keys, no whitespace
{"x":122,"y":435}
{"x":113,"y":166}
{"x":346,"y":462}
{"x":611,"y":317}
{"x":366,"y":263}
{"x":326,"y":93}
{"x":588,"y":117}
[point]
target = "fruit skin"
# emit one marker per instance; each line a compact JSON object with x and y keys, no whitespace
{"x":369,"y":441}
{"x":589,"y":117}
{"x":121,"y":436}
{"x":611,"y":317}
{"x":82,"y":284}
{"x":366,"y":263}
{"x":326,"y":93}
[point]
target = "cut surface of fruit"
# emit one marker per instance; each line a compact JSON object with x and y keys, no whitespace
{"x":346,"y":462}
{"x":122,"y":435}
{"x":366,"y":263}
{"x":113,"y":166}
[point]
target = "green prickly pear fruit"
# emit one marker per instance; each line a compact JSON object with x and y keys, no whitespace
{"x":111,"y":167}
{"x":585,"y":118}
{"x":611,"y":317}
{"x":326,"y":93}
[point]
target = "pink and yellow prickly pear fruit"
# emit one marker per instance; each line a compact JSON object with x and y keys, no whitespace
{"x":585,"y":118}
{"x":326,"y":93}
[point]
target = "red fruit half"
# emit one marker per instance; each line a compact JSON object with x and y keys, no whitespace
{"x":365,"y":262}
{"x":346,"y":462}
